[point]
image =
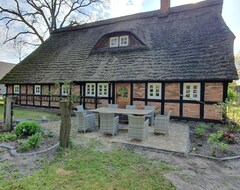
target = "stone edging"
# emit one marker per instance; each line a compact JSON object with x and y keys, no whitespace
{"x":176,"y":152}
{"x":14,"y":153}
{"x":214,"y":158}
{"x":148,"y":148}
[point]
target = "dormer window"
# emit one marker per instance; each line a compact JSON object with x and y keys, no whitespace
{"x":119,"y":41}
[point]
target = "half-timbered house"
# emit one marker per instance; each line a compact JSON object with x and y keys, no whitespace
{"x":176,"y":58}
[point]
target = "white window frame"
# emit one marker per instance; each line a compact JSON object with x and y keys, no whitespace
{"x":154,"y":95}
{"x":37,"y":89}
{"x":191,"y":91}
{"x":123,"y":37}
{"x":92,"y":89}
{"x":65,"y":90}
{"x":16,"y":89}
{"x":113,"y":39}
{"x":101,"y":87}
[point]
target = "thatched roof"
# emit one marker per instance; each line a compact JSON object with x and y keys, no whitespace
{"x":191,"y":43}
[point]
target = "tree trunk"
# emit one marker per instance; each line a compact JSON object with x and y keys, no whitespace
{"x":8,"y":114}
{"x":65,"y":128}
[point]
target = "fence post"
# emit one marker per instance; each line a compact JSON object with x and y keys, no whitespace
{"x":8,"y":114}
{"x":65,"y":128}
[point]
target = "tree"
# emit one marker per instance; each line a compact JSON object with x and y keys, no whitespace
{"x":237,"y":60}
{"x":36,"y":19}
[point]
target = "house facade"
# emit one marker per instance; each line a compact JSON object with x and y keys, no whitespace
{"x":176,"y":58}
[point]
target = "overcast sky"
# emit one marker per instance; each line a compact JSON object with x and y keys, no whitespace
{"x":231,"y":15}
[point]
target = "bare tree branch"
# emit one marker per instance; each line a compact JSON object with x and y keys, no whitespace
{"x":41,"y":17}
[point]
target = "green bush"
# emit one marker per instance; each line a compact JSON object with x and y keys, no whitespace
{"x":27,"y":128}
{"x":32,"y":142}
{"x":200,"y":131}
{"x":231,"y":95}
{"x":216,"y":142}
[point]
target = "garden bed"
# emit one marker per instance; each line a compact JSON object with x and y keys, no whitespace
{"x":40,"y":139}
{"x":199,"y":143}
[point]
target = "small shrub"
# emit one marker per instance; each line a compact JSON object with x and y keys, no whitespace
{"x":200,"y":131}
{"x":7,"y":137}
{"x":27,"y":128}
{"x":231,"y":95}
{"x":224,"y":137}
{"x":32,"y":142}
{"x":47,"y":133}
{"x":229,"y":138}
{"x":215,"y":142}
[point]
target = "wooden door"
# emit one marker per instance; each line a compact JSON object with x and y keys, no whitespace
{"x":122,"y":94}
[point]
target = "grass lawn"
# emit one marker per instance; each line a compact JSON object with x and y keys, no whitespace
{"x":88,"y":168}
{"x":23,"y":113}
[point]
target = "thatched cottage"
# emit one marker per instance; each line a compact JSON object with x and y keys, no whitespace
{"x":176,"y":58}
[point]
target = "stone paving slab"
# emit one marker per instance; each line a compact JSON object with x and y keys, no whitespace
{"x":177,"y":140}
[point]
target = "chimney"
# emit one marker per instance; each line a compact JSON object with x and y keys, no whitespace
{"x":165,"y":6}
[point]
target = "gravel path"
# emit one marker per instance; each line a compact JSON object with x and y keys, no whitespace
{"x":197,"y":173}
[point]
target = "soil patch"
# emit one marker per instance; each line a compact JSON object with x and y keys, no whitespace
{"x":200,"y":145}
{"x":62,"y":172}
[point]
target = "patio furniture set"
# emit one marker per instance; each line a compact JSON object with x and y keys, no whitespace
{"x":108,"y":120}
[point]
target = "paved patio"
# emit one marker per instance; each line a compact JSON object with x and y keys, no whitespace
{"x":177,"y":140}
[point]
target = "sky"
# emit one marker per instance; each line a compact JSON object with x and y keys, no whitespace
{"x":231,"y":15}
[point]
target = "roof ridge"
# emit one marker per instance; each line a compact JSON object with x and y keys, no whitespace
{"x":141,"y":15}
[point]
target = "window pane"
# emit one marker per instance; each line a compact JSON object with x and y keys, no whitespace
{"x":113,"y":41}
{"x":123,"y":40}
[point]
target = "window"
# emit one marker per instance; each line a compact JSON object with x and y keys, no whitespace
{"x":37,"y":89}
{"x":154,"y":90}
{"x":123,"y":41}
{"x":191,"y":91}
{"x":103,"y":89}
{"x":122,"y":91}
{"x":119,"y":41}
{"x":90,"y":89}
{"x":16,"y":89}
{"x":114,"y":42}
{"x":65,"y":90}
